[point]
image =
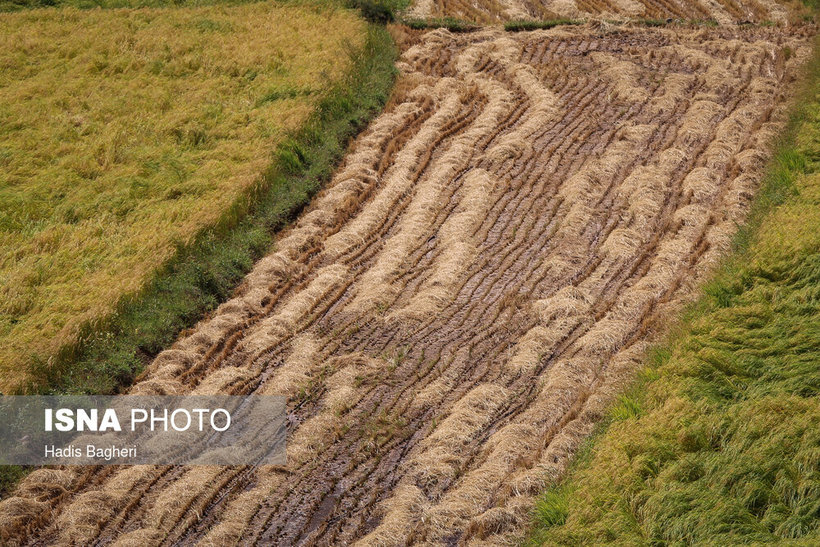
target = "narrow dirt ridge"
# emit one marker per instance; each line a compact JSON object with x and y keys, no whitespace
{"x":453,"y":313}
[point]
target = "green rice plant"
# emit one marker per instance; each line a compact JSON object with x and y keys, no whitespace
{"x":552,"y":508}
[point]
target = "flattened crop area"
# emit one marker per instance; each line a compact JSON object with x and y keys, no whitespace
{"x":454,"y":311}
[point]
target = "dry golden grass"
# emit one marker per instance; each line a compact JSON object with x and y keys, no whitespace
{"x":126,"y":132}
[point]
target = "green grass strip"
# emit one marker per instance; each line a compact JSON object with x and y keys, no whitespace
{"x":516,"y":26}
{"x":450,"y":23}
{"x":718,"y":442}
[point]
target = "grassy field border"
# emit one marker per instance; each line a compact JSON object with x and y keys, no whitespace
{"x":452,"y":24}
{"x":788,"y":162}
{"x":526,"y":25}
{"x":460,"y":25}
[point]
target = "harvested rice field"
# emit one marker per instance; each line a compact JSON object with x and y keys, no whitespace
{"x":723,"y":12}
{"x":456,"y":309}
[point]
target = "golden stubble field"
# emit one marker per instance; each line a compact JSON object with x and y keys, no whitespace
{"x":454,"y":312}
{"x":123,"y":133}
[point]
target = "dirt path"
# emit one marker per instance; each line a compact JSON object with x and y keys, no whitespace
{"x":453,"y":313}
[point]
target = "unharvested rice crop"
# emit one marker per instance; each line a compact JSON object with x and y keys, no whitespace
{"x":724,"y":12}
{"x":124,"y":133}
{"x":455,"y":311}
